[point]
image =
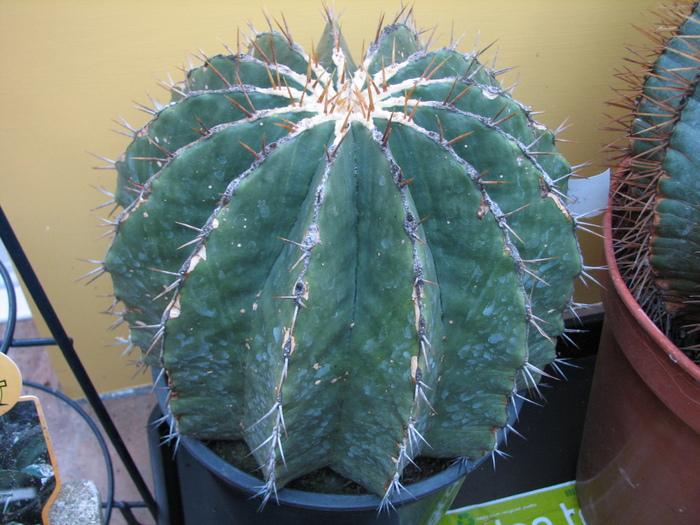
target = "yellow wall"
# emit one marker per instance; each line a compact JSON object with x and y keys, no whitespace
{"x":70,"y":67}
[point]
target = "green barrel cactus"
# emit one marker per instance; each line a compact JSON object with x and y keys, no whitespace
{"x":657,"y":189}
{"x":344,"y":265}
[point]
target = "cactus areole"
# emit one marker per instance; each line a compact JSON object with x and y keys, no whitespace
{"x":344,"y":265}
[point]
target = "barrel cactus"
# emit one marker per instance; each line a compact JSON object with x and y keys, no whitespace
{"x":345,"y":265}
{"x":657,"y":188}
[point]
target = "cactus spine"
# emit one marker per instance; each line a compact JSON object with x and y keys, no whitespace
{"x":657,"y":190}
{"x":344,"y":265}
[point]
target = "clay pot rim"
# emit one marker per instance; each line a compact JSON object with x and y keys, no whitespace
{"x":675,"y":354}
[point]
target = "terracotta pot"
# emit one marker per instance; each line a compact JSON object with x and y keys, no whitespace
{"x":640,"y":453}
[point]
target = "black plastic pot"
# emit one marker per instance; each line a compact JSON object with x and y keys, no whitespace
{"x":424,"y":503}
{"x":213,"y":491}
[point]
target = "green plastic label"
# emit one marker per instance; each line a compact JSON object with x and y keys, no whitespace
{"x":556,"y":505}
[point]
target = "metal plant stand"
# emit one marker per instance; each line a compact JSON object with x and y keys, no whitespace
{"x":61,"y":339}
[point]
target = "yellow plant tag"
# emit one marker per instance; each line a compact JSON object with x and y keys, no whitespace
{"x":10,"y":383}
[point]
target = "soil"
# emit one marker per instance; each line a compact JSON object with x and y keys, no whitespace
{"x":325,"y":480}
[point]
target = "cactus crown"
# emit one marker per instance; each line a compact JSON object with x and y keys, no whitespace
{"x":344,"y":264}
{"x":657,"y":190}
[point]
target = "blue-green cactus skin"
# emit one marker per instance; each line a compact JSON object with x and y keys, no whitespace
{"x":344,"y":265}
{"x":658,"y":189}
